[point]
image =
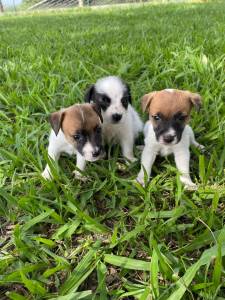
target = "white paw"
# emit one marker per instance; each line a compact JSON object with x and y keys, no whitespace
{"x":46,"y":174}
{"x":188,"y":183}
{"x":140,"y":147}
{"x":79,"y":176}
{"x":131,"y":159}
{"x":201,"y":148}
{"x":140,"y":179}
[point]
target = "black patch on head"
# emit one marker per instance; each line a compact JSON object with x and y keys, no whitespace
{"x":94,"y":137}
{"x":126,"y":99}
{"x":128,"y":93}
{"x":101,"y":100}
{"x":162,"y":125}
{"x":80,"y":138}
{"x":90,"y":94}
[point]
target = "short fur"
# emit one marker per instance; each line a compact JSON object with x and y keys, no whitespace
{"x":167,"y":131}
{"x":121,"y":123}
{"x":75,"y":130}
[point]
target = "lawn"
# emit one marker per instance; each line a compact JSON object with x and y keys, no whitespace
{"x":109,"y":238}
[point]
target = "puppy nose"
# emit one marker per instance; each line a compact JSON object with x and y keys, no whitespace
{"x":96,"y":153}
{"x":116,"y":117}
{"x":168,"y":138}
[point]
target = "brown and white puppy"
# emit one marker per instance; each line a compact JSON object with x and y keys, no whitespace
{"x":75,"y":130}
{"x":167,"y":131}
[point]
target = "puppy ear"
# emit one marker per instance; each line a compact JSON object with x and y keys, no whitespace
{"x":196,"y":100}
{"x":146,"y":101}
{"x":55,"y":120}
{"x":128,"y":93}
{"x":90,"y":94}
{"x":97,"y":109}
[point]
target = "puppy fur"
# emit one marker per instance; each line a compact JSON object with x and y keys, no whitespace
{"x":167,"y":131}
{"x":75,"y":130}
{"x":121,"y":123}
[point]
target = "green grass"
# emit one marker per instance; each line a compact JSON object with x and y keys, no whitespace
{"x":109,"y":238}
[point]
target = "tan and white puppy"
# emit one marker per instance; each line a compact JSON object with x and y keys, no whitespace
{"x":167,"y":131}
{"x":75,"y":130}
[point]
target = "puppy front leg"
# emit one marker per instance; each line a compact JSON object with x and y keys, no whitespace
{"x":147,"y":160}
{"x":127,"y":144}
{"x":194,"y":142}
{"x":81,"y":163}
{"x":54,"y":154}
{"x":182,"y":159}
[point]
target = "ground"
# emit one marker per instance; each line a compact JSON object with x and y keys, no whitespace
{"x":109,"y":238}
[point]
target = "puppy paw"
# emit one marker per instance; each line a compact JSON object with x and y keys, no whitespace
{"x":201,"y":148}
{"x":192,"y":187}
{"x":131,"y":159}
{"x":79,"y":176}
{"x":46,"y":174}
{"x":140,"y":147}
{"x":188,"y":183}
{"x":140,"y":180}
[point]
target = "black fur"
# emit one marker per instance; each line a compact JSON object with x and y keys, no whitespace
{"x":177,"y":122}
{"x":94,"y":137}
{"x":103,"y":100}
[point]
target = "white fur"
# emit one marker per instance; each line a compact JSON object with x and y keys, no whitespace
{"x":170,"y":131}
{"x":58,"y":145}
{"x":127,"y":129}
{"x":180,"y":150}
{"x":169,"y":90}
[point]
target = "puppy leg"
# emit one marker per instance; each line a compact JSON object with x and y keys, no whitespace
{"x":182,"y":159}
{"x":54,"y":153}
{"x":194,"y":142}
{"x":81,"y":163}
{"x":127,"y":144}
{"x":147,"y":160}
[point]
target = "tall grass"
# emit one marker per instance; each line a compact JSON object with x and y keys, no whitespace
{"x":109,"y":238}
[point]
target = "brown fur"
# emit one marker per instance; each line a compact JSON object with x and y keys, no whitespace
{"x":169,"y":103}
{"x":74,"y":118}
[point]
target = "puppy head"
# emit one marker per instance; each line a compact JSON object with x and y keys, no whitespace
{"x":81,"y":125}
{"x":112,"y":95}
{"x":169,"y":111}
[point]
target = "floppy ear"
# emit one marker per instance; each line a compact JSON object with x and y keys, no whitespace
{"x":196,"y":100}
{"x":55,"y":120}
{"x":128,"y":93}
{"x":90,"y":94}
{"x":146,"y":101}
{"x":97,"y":109}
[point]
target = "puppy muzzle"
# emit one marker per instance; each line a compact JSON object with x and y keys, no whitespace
{"x":116,"y":118}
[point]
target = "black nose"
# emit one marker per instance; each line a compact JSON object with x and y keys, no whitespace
{"x":96,"y":153}
{"x":116,"y":117}
{"x":168,"y":138}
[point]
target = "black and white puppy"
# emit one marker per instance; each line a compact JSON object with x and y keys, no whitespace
{"x":121,"y":123}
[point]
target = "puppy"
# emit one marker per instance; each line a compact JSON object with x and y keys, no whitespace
{"x":75,"y":130}
{"x":167,"y":131}
{"x":121,"y":123}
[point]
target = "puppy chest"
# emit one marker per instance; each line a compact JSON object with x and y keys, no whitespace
{"x":111,"y":133}
{"x":164,"y":151}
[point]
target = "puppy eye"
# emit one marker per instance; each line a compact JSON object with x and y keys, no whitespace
{"x":124,"y":101}
{"x":77,"y":137}
{"x":105,"y":99}
{"x":182,"y":117}
{"x":98,"y":129}
{"x":156,"y":117}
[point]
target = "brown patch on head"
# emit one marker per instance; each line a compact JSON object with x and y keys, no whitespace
{"x":79,"y":117}
{"x":85,"y":117}
{"x":169,"y":102}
